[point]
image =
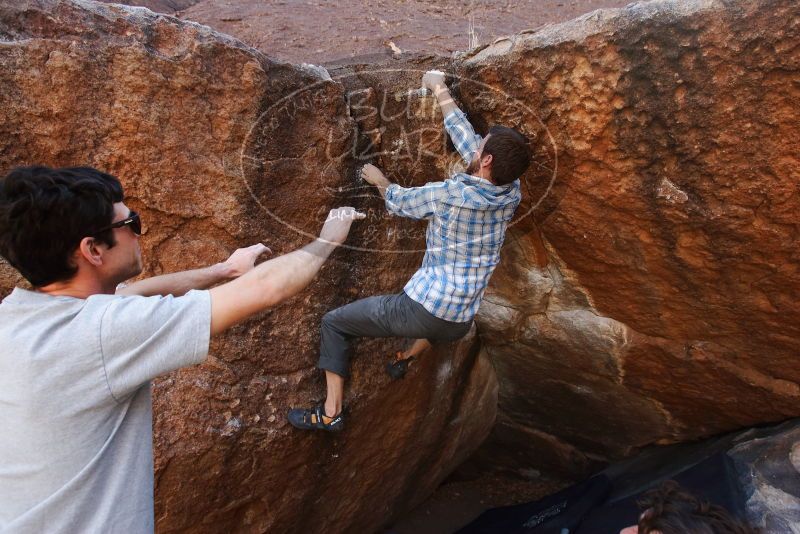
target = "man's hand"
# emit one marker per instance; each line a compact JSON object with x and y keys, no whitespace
{"x":337,"y":226}
{"x":433,"y":80}
{"x":373,"y":175}
{"x":243,"y":259}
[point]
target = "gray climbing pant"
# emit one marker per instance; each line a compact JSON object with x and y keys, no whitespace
{"x":379,"y":316}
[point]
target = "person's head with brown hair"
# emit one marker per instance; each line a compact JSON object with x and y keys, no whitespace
{"x":669,"y":509}
{"x":504,"y":154}
{"x":68,"y":227}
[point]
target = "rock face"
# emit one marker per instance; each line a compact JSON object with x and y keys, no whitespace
{"x":769,"y":473}
{"x":218,"y":147}
{"x":654,"y":294}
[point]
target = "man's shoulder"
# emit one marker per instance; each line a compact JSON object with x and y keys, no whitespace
{"x":145,"y":305}
{"x":455,"y":184}
{"x":27,"y":302}
{"x":456,"y":179}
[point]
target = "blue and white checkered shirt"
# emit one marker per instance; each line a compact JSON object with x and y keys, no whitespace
{"x":468,"y":220}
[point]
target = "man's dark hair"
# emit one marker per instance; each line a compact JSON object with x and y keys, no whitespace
{"x":44,"y":214}
{"x":669,"y":509}
{"x":511,"y":154}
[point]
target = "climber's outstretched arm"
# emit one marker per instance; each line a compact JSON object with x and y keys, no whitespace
{"x":413,"y":202}
{"x":458,"y":127}
{"x":433,"y":80}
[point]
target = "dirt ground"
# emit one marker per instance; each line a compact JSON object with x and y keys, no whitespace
{"x":321,"y":31}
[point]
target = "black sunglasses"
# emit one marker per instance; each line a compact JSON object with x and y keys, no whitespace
{"x":132,"y":220}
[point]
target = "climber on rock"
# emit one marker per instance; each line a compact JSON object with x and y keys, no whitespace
{"x":468,"y":213}
{"x":77,"y":354}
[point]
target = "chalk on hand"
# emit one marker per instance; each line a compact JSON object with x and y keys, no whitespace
{"x":421,"y":92}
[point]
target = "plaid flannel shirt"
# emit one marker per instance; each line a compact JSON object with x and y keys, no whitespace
{"x":468,"y":220}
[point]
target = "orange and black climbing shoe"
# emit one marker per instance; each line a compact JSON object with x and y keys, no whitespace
{"x":315,"y":419}
{"x":398,"y":367}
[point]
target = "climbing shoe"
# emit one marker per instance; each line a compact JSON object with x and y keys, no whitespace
{"x":315,"y":419}
{"x":398,"y":367}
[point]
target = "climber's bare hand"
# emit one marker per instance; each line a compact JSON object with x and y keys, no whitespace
{"x":373,"y":175}
{"x":337,"y":226}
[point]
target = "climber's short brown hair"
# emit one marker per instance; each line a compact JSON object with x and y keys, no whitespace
{"x":511,"y":154}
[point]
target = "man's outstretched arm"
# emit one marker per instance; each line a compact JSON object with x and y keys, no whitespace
{"x":177,"y":284}
{"x":433,"y":80}
{"x":280,"y":278}
{"x":412,"y":202}
{"x":458,"y":127}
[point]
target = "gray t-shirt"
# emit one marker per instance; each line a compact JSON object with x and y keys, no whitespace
{"x":76,"y":447}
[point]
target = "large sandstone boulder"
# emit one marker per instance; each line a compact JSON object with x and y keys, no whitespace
{"x":648,"y":288}
{"x":653,"y":295}
{"x":218,"y":147}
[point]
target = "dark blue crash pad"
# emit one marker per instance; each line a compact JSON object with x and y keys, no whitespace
{"x":594,"y":506}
